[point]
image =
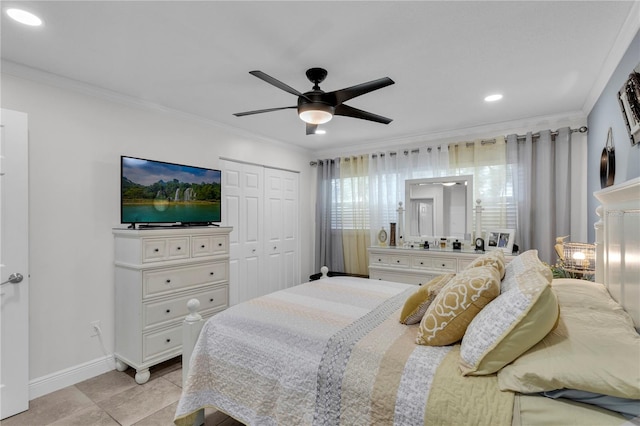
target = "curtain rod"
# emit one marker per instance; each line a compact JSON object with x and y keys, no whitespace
{"x":583,"y":129}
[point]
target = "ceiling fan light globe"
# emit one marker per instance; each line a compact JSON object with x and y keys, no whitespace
{"x":314,"y":116}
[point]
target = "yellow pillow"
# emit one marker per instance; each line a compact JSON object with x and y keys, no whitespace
{"x":493,"y":258}
{"x":417,"y":304}
{"x":513,"y":322}
{"x":457,"y":304}
{"x":595,"y":347}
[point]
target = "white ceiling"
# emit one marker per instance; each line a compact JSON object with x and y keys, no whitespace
{"x":445,"y":57}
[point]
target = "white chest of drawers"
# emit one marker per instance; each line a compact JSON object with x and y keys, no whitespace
{"x":156,"y":272}
{"x":417,"y":266}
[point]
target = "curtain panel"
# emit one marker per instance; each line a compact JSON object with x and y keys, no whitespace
{"x":543,"y":189}
{"x":328,"y":250}
{"x":354,"y":199}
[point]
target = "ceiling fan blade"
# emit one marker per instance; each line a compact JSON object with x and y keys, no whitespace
{"x":348,"y":111}
{"x":259,"y":111}
{"x":277,"y":83}
{"x":345,"y":94}
{"x":311,"y":128}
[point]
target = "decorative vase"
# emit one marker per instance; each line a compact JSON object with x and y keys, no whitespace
{"x":392,"y":234}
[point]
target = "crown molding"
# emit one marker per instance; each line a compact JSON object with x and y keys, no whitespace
{"x":39,"y":76}
{"x":488,"y":131}
{"x":628,"y":31}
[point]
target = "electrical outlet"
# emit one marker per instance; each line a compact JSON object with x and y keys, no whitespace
{"x":95,"y":328}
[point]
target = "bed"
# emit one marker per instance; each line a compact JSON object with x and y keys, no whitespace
{"x":496,"y":344}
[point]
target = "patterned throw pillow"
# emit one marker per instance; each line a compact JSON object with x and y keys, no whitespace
{"x":494,"y":258}
{"x":509,"y":325}
{"x":527,"y":260}
{"x":417,"y":304}
{"x":457,"y":304}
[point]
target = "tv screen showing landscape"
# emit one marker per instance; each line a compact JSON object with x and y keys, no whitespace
{"x":160,"y":192}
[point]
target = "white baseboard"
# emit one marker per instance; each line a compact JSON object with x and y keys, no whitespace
{"x":70,"y":376}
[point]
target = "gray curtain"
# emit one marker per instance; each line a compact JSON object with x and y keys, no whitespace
{"x":328,"y":241}
{"x":542,"y":188}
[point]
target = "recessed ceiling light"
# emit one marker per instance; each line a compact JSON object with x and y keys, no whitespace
{"x":24,"y":17}
{"x":493,"y":98}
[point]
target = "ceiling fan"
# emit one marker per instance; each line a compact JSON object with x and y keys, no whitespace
{"x":318,"y":107}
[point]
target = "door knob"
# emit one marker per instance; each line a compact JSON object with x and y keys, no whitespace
{"x":14,"y":278}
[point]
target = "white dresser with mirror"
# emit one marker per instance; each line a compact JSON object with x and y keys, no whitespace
{"x":438,"y":211}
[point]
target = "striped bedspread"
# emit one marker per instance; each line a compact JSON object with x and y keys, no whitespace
{"x":332,"y":352}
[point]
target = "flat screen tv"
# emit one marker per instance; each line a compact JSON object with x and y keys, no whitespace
{"x":156,"y":192}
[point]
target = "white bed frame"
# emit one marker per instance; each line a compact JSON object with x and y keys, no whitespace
{"x":617,"y":261}
{"x":618,"y":244}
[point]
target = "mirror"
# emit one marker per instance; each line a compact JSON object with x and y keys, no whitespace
{"x":439,"y":207}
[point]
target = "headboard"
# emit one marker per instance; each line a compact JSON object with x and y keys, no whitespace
{"x":618,"y":244}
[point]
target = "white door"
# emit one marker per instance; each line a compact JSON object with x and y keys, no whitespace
{"x":242,"y":191}
{"x":281,"y":229}
{"x":14,"y":255}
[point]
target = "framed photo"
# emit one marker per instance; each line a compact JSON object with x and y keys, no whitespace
{"x":501,"y":239}
{"x":629,"y":100}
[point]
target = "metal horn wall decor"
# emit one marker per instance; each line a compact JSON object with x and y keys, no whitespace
{"x":608,"y":162}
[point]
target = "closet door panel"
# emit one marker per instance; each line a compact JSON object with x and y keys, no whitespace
{"x":231,"y":215}
{"x":273,"y":228}
{"x":262,"y":206}
{"x":243,"y":187}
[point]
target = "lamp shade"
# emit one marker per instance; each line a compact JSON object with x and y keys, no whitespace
{"x":579,"y":257}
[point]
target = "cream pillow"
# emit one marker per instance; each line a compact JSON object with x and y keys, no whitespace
{"x":457,"y":303}
{"x":595,"y":347}
{"x":527,"y":260}
{"x":509,"y":325}
{"x":417,"y":304}
{"x":493,"y":258}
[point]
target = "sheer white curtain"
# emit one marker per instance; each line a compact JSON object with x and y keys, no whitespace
{"x":543,"y":189}
{"x":354,"y":199}
{"x":492,"y":179}
{"x":387,"y":174}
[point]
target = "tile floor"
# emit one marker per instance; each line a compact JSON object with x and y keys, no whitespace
{"x":114,"y":398}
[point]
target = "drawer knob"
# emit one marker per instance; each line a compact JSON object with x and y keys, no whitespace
{"x":168,"y":281}
{"x":168,"y":340}
{"x":379,"y":260}
{"x":156,"y":250}
{"x":398,"y":261}
{"x":219,"y":244}
{"x":179,"y":248}
{"x":212,"y":273}
{"x":419,"y":284}
{"x":211,"y":300}
{"x":443,"y":265}
{"x":422,"y":263}
{"x":168,"y":311}
{"x":202,"y":246}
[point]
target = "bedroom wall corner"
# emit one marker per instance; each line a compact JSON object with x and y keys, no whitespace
{"x":75,"y":141}
{"x":604,"y":114}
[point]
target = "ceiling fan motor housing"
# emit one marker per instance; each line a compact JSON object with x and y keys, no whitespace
{"x":313,"y":108}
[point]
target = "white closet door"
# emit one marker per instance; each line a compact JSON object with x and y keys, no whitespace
{"x":243,"y":209}
{"x":281,"y":229}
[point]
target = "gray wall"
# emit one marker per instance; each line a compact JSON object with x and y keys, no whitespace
{"x":606,"y":113}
